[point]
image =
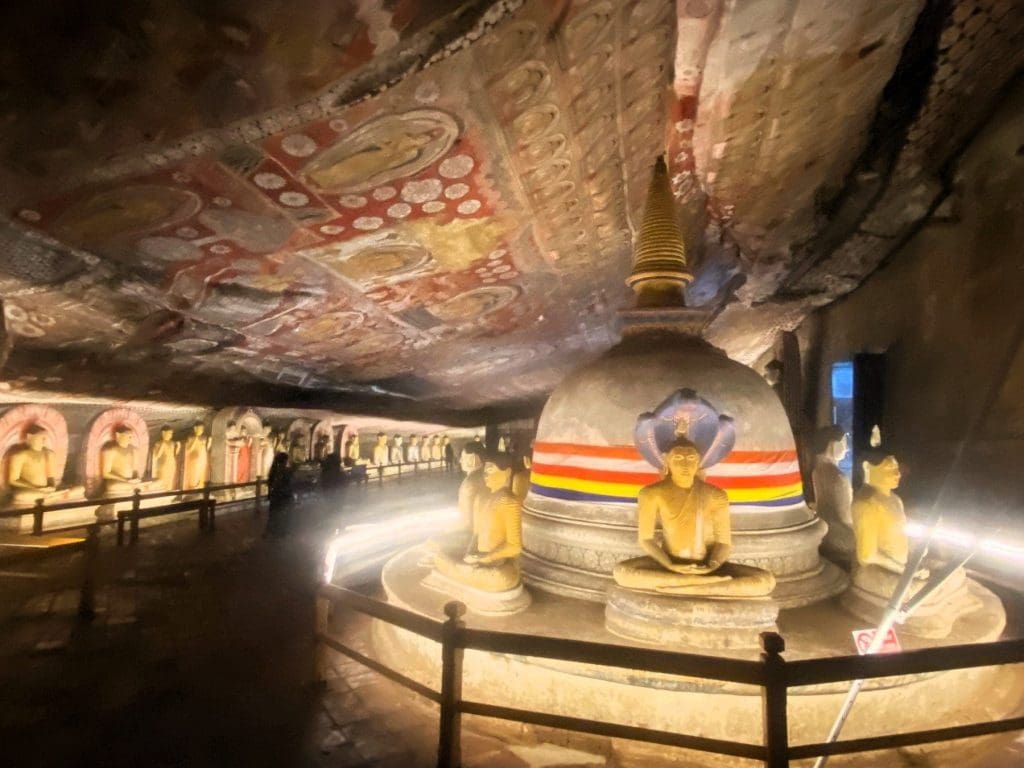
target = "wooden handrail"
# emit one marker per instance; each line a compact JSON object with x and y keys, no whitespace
{"x":610,"y":655}
{"x":63,"y":505}
{"x":616,"y":730}
{"x":392,"y":614}
{"x":772,"y":673}
{"x":895,"y":740}
{"x":923,"y":660}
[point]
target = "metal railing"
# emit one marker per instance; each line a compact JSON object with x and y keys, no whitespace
{"x":772,"y":673}
{"x":384,"y":472}
{"x":39,"y":510}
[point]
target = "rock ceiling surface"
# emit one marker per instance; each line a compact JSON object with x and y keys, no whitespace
{"x":429,"y":207}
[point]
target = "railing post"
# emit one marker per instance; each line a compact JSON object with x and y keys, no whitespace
{"x":37,"y":518}
{"x":204,"y":516}
{"x":449,"y":737}
{"x":773,"y":698}
{"x":87,"y":598}
{"x":136,"y":508}
{"x":256,"y":499}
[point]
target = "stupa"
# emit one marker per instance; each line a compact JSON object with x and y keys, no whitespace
{"x":580,"y":514}
{"x":601,"y":438}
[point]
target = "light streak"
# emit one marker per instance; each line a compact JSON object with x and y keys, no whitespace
{"x":362,"y":539}
{"x":957,"y":538}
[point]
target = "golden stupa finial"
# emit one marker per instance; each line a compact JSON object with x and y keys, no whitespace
{"x":660,"y":271}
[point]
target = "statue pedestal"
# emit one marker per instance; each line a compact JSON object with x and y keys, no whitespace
{"x":868,"y":599}
{"x":477,"y":600}
{"x":669,"y":620}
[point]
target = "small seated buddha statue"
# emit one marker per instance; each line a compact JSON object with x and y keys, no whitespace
{"x":117,"y":466}
{"x":490,"y":563}
{"x":833,"y":493}
{"x":30,"y":472}
{"x":691,"y":557}
{"x":879,"y":525}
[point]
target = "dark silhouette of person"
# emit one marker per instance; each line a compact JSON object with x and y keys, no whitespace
{"x":279,"y":496}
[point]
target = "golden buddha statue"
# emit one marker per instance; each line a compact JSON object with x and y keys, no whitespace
{"x":380,"y":451}
{"x":195,"y":466}
{"x":692,"y":556}
{"x":397,"y":450}
{"x":833,"y":494}
{"x":265,"y":452}
{"x":879,"y":526}
{"x":117,"y":466}
{"x":352,"y":448}
{"x":163,"y":460}
{"x":490,"y":563}
{"x":30,"y":472}
{"x":521,"y":479}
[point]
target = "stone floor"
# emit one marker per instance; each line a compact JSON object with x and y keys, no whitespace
{"x":202,"y":654}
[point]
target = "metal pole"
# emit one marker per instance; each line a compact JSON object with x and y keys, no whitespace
{"x":87,"y":598}
{"x":892,"y":613}
{"x":773,"y":700}
{"x":37,"y":518}
{"x":449,"y":736}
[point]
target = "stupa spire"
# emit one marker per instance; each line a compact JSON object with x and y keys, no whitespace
{"x":660,"y":271}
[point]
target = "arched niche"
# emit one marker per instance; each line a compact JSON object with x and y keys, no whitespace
{"x":236,"y":434}
{"x":100,"y":434}
{"x":323,"y":439}
{"x":300,"y":440}
{"x":14,"y":423}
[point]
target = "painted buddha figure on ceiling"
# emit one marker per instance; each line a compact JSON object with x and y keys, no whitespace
{"x":490,"y":562}
{"x":30,"y":472}
{"x":691,"y":555}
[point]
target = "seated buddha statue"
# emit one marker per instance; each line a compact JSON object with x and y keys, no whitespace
{"x":879,"y":526}
{"x":117,"y":466}
{"x":30,"y":472}
{"x":691,"y":556}
{"x":833,"y":493}
{"x":490,"y":562}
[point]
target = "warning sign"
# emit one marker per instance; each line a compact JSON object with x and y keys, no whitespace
{"x":862,"y":639}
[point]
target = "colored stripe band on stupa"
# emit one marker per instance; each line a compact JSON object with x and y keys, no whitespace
{"x":616,"y":474}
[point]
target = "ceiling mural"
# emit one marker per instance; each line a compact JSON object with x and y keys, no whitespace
{"x":426,"y":201}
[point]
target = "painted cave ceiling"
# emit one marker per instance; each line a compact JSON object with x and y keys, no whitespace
{"x":428,"y":207}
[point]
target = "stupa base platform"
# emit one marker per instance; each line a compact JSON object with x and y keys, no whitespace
{"x":704,"y":707}
{"x":668,"y":621}
{"x":935,"y":617}
{"x":477,"y":600}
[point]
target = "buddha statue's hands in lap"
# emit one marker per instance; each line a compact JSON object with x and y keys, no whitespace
{"x":491,"y":560}
{"x":30,"y":472}
{"x":691,"y":555}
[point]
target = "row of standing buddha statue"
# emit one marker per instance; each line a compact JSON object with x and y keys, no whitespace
{"x":397,"y":451}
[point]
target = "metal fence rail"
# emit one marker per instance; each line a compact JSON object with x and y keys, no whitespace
{"x":772,"y":673}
